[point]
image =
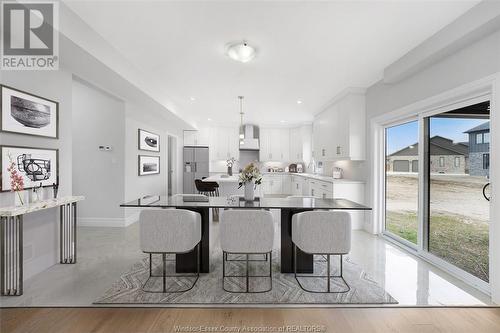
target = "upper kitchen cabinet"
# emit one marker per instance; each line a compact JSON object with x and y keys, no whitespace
{"x":224,"y":143}
{"x":301,"y":144}
{"x":339,"y":131}
{"x":274,"y":144}
{"x":197,"y":137}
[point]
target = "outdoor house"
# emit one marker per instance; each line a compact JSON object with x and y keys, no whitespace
{"x":446,"y":157}
{"x":479,"y":150}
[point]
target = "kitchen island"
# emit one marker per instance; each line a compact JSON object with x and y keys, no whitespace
{"x":228,"y":185}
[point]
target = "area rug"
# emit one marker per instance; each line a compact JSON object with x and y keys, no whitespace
{"x":208,"y":290}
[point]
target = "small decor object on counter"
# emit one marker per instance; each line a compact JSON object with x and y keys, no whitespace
{"x":16,"y":182}
{"x":250,"y":177}
{"x":148,"y":141}
{"x":55,"y":189}
{"x":28,"y":114}
{"x":337,"y":173}
{"x":230,"y":162}
{"x":149,"y":165}
{"x":37,"y":192}
{"x":34,"y":165}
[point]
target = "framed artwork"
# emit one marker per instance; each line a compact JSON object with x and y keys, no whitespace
{"x":148,"y":141}
{"x":149,"y":165}
{"x":35,"y":165}
{"x":28,"y":114}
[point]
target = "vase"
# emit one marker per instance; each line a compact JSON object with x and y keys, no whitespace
{"x":20,"y":198}
{"x":249,"y":191}
{"x":230,"y":171}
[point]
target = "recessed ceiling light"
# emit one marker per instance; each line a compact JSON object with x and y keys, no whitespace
{"x":282,"y":121}
{"x":192,"y":98}
{"x":299,"y":101}
{"x":240,"y":51}
{"x":209,"y":119}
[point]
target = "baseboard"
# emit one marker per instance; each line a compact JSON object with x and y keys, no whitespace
{"x":108,"y":221}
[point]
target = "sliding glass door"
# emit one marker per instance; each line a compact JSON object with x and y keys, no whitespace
{"x":458,"y":170}
{"x":438,"y":204}
{"x":401,"y":180}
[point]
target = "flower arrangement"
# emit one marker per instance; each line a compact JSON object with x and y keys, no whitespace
{"x":16,"y":180}
{"x":230,"y":162}
{"x":249,"y":174}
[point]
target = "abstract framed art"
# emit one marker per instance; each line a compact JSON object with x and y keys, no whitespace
{"x":36,"y":166}
{"x":25,"y":113}
{"x":148,"y":141}
{"x":149,"y":165}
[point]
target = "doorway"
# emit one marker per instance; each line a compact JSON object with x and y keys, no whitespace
{"x":172,"y":150}
{"x":437,"y":188}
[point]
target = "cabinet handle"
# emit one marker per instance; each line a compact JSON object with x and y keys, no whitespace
{"x":323,"y":152}
{"x":338,"y":150}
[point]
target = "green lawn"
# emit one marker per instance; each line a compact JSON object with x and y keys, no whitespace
{"x":452,"y":238}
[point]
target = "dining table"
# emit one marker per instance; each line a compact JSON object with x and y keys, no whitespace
{"x":186,"y":262}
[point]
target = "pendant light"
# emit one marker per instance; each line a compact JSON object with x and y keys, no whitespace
{"x":242,"y":130}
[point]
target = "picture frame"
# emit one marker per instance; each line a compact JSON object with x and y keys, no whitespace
{"x":148,"y":165}
{"x":35,"y":165}
{"x":29,"y":114}
{"x":148,"y":141}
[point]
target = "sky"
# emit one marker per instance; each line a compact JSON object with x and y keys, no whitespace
{"x":401,"y":136}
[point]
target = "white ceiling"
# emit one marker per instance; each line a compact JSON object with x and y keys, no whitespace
{"x":306,"y":50}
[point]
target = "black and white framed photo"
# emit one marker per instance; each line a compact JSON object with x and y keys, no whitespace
{"x":34,"y":165}
{"x":149,"y":141}
{"x":149,"y":165}
{"x":28,"y":114}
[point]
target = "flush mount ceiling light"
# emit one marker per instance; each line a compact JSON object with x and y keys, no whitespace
{"x":240,"y":51}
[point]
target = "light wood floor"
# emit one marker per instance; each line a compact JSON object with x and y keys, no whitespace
{"x":345,"y":320}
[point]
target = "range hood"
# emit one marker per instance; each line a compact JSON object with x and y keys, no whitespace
{"x":250,"y":140}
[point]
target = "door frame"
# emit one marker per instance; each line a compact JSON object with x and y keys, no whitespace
{"x":476,"y":91}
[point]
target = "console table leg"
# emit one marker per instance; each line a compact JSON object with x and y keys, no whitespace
{"x":11,"y":253}
{"x":67,"y":233}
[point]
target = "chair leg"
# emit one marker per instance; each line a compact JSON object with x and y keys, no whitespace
{"x":328,"y":271}
{"x":164,"y":259}
{"x":247,"y":282}
{"x":150,"y":264}
{"x":328,"y":275}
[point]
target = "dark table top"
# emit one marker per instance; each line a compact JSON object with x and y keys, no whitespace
{"x":235,"y":202}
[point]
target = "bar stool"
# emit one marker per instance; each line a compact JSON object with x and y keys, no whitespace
{"x":169,"y":231}
{"x":210,"y":189}
{"x":322,"y":233}
{"x":246,"y":232}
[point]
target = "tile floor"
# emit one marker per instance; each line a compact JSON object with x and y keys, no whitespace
{"x":105,"y":253}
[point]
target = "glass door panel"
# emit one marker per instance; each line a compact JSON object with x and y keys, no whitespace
{"x":401,"y":179}
{"x":459,"y":214}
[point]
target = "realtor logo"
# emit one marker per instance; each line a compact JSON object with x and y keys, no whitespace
{"x":30,"y":35}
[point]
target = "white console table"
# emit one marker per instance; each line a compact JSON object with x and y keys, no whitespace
{"x":11,"y":234}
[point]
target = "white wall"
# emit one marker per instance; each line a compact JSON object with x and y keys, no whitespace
{"x":41,"y":229}
{"x":98,"y":119}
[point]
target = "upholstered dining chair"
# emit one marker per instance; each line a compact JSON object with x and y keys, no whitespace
{"x":323,"y":233}
{"x":246,"y":232}
{"x":169,"y":231}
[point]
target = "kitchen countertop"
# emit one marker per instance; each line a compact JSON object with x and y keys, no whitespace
{"x":224,"y":178}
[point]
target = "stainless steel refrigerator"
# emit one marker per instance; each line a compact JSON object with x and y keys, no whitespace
{"x":195,"y":166}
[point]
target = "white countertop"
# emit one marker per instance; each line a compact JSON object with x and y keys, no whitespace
{"x":224,"y":178}
{"x":40,"y":205}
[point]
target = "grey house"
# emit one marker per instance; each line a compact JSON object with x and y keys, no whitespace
{"x":479,"y":150}
{"x":446,"y":157}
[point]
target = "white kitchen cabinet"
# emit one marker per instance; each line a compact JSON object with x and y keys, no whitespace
{"x":286,"y":184}
{"x":301,"y":144}
{"x":224,"y":143}
{"x":274,"y":144}
{"x":296,"y":185}
{"x":272,"y":184}
{"x":197,"y":137}
{"x":339,"y":132}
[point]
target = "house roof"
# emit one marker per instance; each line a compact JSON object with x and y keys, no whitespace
{"x":438,"y":146}
{"x":483,"y":127}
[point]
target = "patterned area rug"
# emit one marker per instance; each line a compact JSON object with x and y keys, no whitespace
{"x":208,"y":290}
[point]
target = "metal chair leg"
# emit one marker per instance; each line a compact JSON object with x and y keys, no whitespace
{"x":328,"y":275}
{"x":247,"y":275}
